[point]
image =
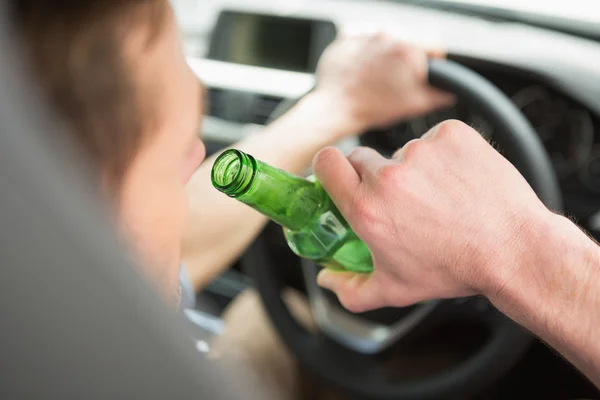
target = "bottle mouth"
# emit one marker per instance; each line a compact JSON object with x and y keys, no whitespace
{"x":233,"y":172}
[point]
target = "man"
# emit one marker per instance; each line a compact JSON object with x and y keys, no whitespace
{"x":114,"y":70}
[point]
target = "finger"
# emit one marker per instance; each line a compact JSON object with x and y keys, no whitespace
{"x":353,"y":290}
{"x":436,"y":53}
{"x":414,"y":59}
{"x":432,"y":48}
{"x":427,"y":99}
{"x":399,"y":154}
{"x":367,"y":161}
{"x":364,"y":292}
{"x":447,"y":126}
{"x":337,"y":175}
{"x":439,"y":98}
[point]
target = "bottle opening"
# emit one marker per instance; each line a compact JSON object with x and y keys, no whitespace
{"x":233,"y":172}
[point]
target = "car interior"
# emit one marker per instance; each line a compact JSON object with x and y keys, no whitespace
{"x":526,"y":75}
{"x":536,"y":64}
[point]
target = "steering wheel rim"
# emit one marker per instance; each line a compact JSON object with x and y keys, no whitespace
{"x":357,"y":373}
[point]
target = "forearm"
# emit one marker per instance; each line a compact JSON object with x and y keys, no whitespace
{"x":220,"y":228}
{"x":555,"y":293}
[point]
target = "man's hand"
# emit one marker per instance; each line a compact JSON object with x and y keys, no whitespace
{"x":448,"y":216}
{"x":378,"y":80}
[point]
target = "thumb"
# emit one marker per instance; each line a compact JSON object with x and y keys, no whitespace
{"x":337,"y":175}
{"x":356,"y":292}
{"x":364,"y":292}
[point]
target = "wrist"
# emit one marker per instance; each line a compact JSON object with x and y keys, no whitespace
{"x":509,"y":251}
{"x":549,"y":263}
{"x":333,"y":110}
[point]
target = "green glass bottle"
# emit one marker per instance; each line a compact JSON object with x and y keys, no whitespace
{"x":313,"y":226}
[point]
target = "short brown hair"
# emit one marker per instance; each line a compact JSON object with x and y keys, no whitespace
{"x":76,"y":49}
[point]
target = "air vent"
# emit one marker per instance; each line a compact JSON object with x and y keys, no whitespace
{"x":216,"y":102}
{"x":262,"y":108}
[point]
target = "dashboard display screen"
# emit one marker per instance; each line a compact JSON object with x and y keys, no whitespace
{"x":270,"y":41}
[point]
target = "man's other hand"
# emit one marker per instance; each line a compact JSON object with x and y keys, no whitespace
{"x":378,"y":80}
{"x":446,"y":217}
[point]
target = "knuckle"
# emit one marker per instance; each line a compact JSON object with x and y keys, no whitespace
{"x":356,"y":153}
{"x":393,"y":175}
{"x":451,"y":130}
{"x":415,"y":149}
{"x":357,"y":150}
{"x":398,"y":153}
{"x":411,"y":55}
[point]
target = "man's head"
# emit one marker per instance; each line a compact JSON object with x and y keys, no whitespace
{"x":114,"y":70}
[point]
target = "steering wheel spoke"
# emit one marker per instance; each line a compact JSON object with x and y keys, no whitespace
{"x":353,"y":331}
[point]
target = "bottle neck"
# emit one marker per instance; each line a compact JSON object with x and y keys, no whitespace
{"x":289,"y":200}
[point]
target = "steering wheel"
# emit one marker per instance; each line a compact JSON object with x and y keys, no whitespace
{"x":343,"y":351}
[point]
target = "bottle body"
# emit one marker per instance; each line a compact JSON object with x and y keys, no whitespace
{"x":328,"y":239}
{"x":313,"y":226}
